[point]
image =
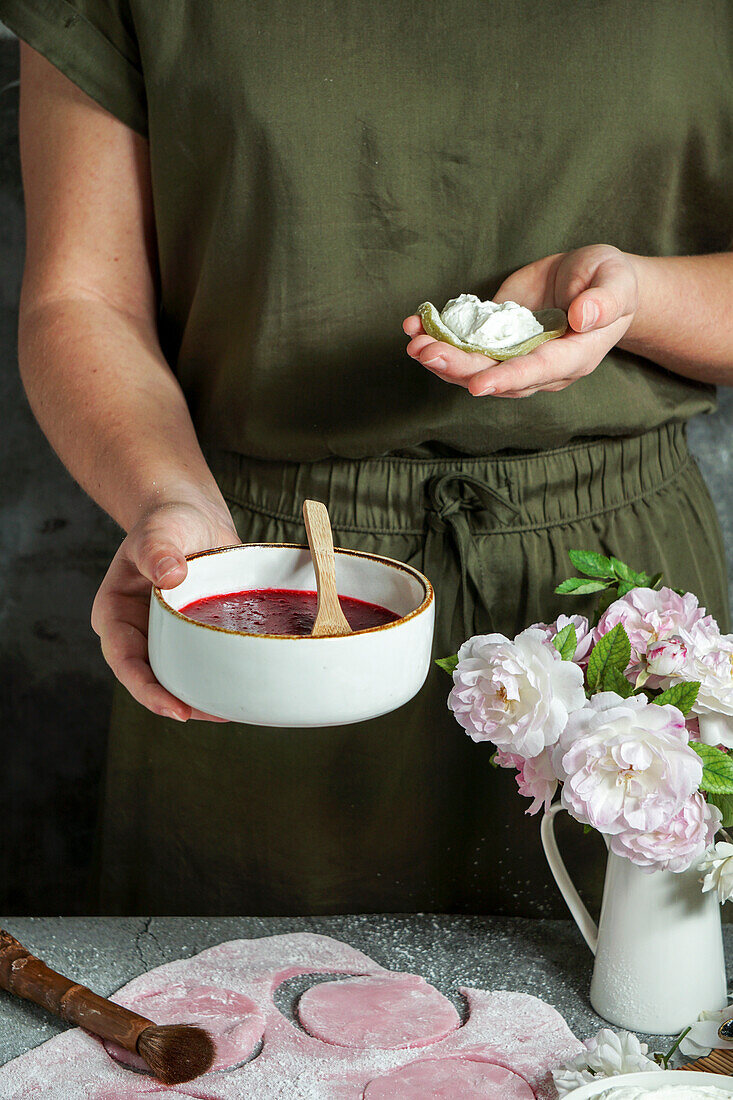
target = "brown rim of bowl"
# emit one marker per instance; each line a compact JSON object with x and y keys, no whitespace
{"x":399,"y":565}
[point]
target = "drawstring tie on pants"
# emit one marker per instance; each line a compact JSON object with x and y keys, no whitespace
{"x":451,"y":498}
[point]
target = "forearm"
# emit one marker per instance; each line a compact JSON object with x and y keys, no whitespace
{"x":111,"y":407}
{"x":684,"y":320}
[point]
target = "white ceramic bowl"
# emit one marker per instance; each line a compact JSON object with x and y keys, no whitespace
{"x":284,"y":680}
{"x":653,"y":1081}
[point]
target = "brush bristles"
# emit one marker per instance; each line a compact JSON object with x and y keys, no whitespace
{"x":177,"y":1053}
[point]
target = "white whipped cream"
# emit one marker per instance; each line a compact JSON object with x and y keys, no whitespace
{"x":669,"y":1092}
{"x":489,"y":324}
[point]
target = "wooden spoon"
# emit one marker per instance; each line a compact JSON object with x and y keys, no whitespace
{"x":330,"y":619}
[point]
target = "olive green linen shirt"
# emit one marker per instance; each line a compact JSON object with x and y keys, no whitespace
{"x":321,"y":168}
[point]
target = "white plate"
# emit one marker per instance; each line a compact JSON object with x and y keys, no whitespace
{"x":653,"y":1081}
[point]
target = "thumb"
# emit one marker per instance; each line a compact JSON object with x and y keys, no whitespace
{"x":158,"y":558}
{"x":610,"y":297}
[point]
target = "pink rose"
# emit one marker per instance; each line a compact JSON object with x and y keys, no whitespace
{"x":666,"y":658}
{"x":709,"y":660}
{"x":517,"y":694}
{"x":504,"y":759}
{"x":677,"y":844}
{"x":537,"y":780}
{"x":535,"y":777}
{"x":626,"y":764}
{"x":693,"y":727}
{"x":651,"y":616}
{"x":583,"y":633}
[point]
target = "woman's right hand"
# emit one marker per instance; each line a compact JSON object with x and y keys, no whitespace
{"x":154,"y":552}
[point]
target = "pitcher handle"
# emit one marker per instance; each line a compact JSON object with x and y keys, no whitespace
{"x":581,"y":916}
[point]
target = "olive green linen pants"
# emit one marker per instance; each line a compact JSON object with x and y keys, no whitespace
{"x":403,"y":813}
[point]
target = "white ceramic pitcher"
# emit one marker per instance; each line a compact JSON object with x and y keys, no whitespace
{"x":658,"y":945}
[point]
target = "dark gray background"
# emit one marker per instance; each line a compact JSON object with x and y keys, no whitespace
{"x":54,"y":548}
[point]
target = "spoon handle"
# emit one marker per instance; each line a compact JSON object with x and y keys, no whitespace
{"x":330,"y":619}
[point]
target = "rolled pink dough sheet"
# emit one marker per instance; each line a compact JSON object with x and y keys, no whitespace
{"x":234,"y":1021}
{"x":262,"y":1054}
{"x":388,"y":1012}
{"x":448,"y":1079}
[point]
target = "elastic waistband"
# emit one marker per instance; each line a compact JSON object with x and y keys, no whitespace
{"x":523,"y":491}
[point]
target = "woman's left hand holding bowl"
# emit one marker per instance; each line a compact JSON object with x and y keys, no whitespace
{"x":153,"y":552}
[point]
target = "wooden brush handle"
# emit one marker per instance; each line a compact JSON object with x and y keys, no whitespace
{"x":26,"y":976}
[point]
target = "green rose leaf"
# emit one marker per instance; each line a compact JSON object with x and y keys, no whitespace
{"x":717,"y":769}
{"x":591,"y":563}
{"x":622,"y":570}
{"x":681,"y":696}
{"x":630,"y":576}
{"x":724,"y":802}
{"x":612,"y":650}
{"x":580,"y":586}
{"x":448,"y":663}
{"x":566,"y":642}
{"x":624,"y":587}
{"x":612,"y":679}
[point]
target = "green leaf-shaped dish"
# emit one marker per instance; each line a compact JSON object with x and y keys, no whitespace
{"x":553,"y":321}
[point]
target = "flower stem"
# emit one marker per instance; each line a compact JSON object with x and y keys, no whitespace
{"x":664,"y":1059}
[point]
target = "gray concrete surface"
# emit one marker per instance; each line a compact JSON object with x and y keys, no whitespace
{"x":54,"y":547}
{"x":545,"y":958}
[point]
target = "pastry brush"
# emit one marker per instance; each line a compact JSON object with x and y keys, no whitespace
{"x":175,"y":1053}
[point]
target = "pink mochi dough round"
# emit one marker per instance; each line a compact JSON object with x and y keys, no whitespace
{"x":234,"y":1021}
{"x":386,"y":1012}
{"x":448,"y":1078}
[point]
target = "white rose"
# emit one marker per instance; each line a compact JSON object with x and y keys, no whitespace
{"x":703,"y":1034}
{"x":717,"y":870}
{"x":710,"y":660}
{"x":517,"y":694}
{"x":607,"y":1054}
{"x":626,"y":764}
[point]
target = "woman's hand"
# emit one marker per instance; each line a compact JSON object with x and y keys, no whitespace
{"x":598,"y":289}
{"x":153,"y":552}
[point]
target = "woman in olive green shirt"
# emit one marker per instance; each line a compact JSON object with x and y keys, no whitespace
{"x":233,"y":213}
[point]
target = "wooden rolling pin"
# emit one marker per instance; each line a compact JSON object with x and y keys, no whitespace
{"x":175,"y":1052}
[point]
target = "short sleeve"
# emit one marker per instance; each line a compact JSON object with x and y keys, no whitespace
{"x":93,"y":43}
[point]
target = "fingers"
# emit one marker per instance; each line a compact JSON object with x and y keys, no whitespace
{"x":120,"y":618}
{"x":157,"y":556}
{"x":597,"y":286}
{"x":599,"y":307}
{"x":125,"y":649}
{"x":449,"y":363}
{"x":554,"y":364}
